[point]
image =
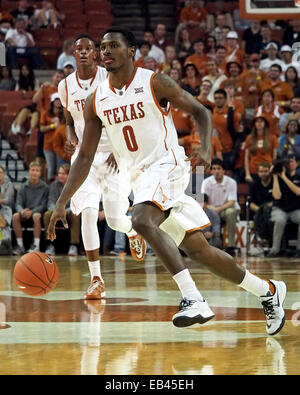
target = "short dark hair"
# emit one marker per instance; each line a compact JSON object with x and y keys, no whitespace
{"x":222,"y":92}
{"x":84,"y":35}
{"x":145,"y":43}
{"x":126,"y":33}
{"x":276,"y":65}
{"x":218,"y":162}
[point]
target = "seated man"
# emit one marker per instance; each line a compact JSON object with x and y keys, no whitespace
{"x":30,"y":205}
{"x":286,"y":206}
{"x":261,"y":201}
{"x":74,"y":220}
{"x":222,"y":198}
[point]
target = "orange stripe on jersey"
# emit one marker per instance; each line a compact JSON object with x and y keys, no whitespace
{"x":94,"y":102}
{"x":67,"y":96}
{"x":195,"y":229}
{"x":166,"y":130}
{"x":175,"y":162}
{"x":154,"y":97}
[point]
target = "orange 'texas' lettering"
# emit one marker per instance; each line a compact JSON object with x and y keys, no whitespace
{"x":80,"y":104}
{"x":128,"y":112}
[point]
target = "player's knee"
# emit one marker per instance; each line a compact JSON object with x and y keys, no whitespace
{"x":141,"y":223}
{"x":89,"y":215}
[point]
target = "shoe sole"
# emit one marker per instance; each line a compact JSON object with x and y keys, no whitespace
{"x":143,"y":257}
{"x":184,"y":321}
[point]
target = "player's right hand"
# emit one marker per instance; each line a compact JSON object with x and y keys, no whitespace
{"x":59,"y":214}
{"x":69,"y":147}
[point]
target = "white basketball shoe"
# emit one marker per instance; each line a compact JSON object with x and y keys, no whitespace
{"x":273,"y":308}
{"x":192,"y":311}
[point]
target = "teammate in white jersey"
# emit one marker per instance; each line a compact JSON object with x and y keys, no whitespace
{"x":73,"y":91}
{"x":144,"y":141}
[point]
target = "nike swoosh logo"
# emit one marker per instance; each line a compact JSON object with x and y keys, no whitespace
{"x":73,"y":93}
{"x":104,"y":98}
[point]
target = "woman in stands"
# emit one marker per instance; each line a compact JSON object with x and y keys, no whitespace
{"x":291,"y":77}
{"x":7,"y":81}
{"x":289,"y":142}
{"x":260,"y":147}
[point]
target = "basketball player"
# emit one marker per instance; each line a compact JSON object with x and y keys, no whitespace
{"x":73,"y":92}
{"x":144,"y":141}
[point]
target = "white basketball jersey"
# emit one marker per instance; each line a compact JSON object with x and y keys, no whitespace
{"x":73,"y":93}
{"x":140,"y":131}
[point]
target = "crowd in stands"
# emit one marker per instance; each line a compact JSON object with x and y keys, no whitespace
{"x":243,"y":72}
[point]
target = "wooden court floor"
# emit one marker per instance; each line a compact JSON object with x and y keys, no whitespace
{"x":131,"y":333}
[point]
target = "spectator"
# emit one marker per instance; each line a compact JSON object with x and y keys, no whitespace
{"x":291,"y":76}
{"x":58,"y":143}
{"x":261,"y":201}
{"x":222,"y":198}
{"x":221,"y":58}
{"x":49,"y":122}
{"x":219,"y":121}
{"x":66,"y":55}
{"x":266,"y":34}
{"x":68,"y":68}
{"x":175,"y":75}
{"x":21,"y":43}
{"x":215,"y":76}
{"x":170,"y":55}
{"x":175,"y":64}
{"x":238,"y":136}
{"x":251,"y":78}
{"x":234,"y":53}
{"x":155,"y":52}
{"x":286,"y":59}
{"x":210,"y":47}
{"x":160,"y":34}
{"x":191,"y":16}
{"x":43,"y":94}
{"x":217,"y":31}
{"x":234,"y":96}
{"x":31,"y":203}
{"x":7,"y":81}
{"x":198,"y":58}
{"x":293,"y":114}
{"x":23,"y":11}
{"x":213,"y":232}
{"x":183,"y":45}
{"x":144,"y":48}
{"x":291,"y":33}
{"x":234,"y":71}
{"x":55,"y":189}
{"x":283,"y":92}
{"x":6,"y":206}
{"x":260,"y":146}
{"x":252,"y":38}
{"x":272,"y":58}
{"x":289,"y":142}
{"x":27,"y":81}
{"x":151,"y":64}
{"x":191,"y":79}
{"x":270,"y":111}
{"x":48,"y":15}
{"x":205,"y":88}
{"x":286,"y":192}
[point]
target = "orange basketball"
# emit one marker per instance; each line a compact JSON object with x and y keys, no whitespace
{"x":36,"y":273}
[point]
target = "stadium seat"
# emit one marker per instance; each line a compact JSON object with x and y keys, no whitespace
{"x":10,"y":112}
{"x":50,"y":56}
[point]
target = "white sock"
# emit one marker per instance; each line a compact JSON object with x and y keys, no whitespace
{"x":37,"y":241}
{"x":131,"y":233}
{"x":187,"y":285}
{"x":95,"y":269}
{"x":20,"y":242}
{"x":254,"y":284}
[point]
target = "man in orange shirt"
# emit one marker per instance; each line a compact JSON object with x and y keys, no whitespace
{"x":219,"y":121}
{"x":234,"y":71}
{"x":191,"y":16}
{"x":221,"y":58}
{"x":205,"y":88}
{"x":144,"y":50}
{"x":283,"y":92}
{"x":43,"y":94}
{"x":199,"y":58}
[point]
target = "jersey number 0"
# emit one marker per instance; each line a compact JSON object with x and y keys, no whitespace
{"x":130,"y":138}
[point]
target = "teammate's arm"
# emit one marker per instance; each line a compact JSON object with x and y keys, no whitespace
{"x":80,"y":168}
{"x":167,"y":89}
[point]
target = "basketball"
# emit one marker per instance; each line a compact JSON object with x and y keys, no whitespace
{"x":36,"y":273}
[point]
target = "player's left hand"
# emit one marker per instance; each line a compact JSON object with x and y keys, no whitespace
{"x":59,"y":214}
{"x":112,"y":164}
{"x":199,"y":159}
